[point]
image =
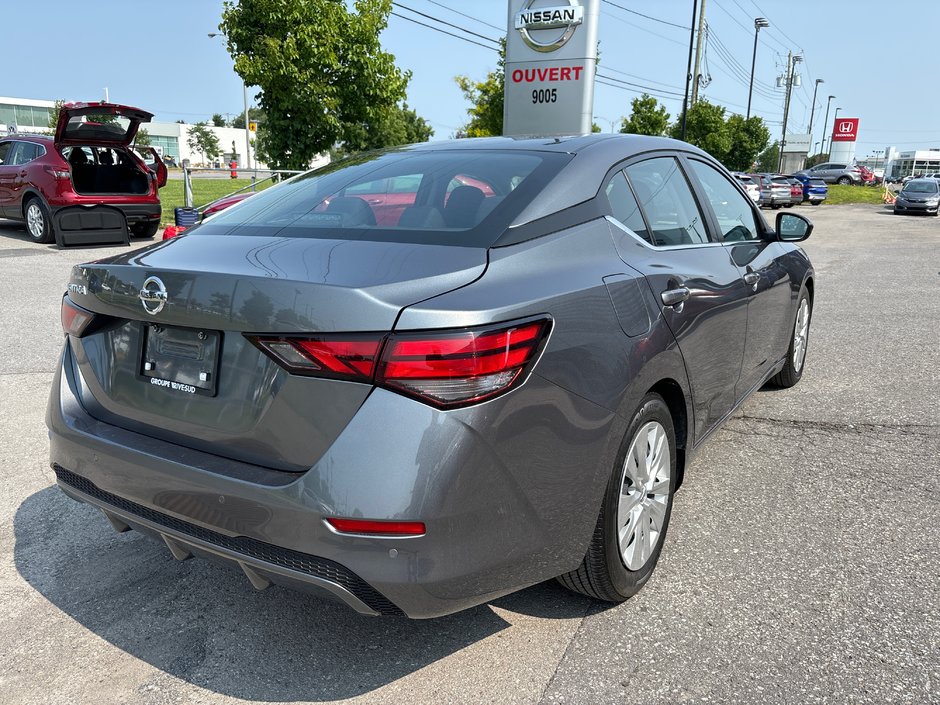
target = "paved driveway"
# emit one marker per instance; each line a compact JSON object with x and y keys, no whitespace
{"x":802,"y":564}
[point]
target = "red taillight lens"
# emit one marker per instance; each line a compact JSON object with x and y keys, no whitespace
{"x":377,"y":528}
{"x":58,"y":173}
{"x":75,"y":319}
{"x":446,"y":369}
{"x":459,"y":368}
{"x":352,"y":358}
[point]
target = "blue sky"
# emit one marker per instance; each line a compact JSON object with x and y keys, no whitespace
{"x":156,"y":55}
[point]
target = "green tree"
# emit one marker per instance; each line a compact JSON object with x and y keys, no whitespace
{"x":769,"y":159}
{"x":397,"y":125}
{"x":218,"y":120}
{"x":203,"y":140}
{"x":486,"y":100}
{"x":54,"y":114}
{"x":647,"y":117}
{"x":748,"y":139}
{"x":319,"y":66}
{"x":255,"y":114}
{"x":143,"y":138}
{"x":706,"y":128}
{"x":821,"y":158}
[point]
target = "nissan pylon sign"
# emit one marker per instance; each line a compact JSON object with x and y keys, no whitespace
{"x":551,"y":57}
{"x":845,"y":130}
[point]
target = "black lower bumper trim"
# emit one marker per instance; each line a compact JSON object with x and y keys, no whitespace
{"x":285,"y":557}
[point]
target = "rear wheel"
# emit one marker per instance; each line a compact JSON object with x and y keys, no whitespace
{"x":844,"y":180}
{"x":145,"y":230}
{"x":38,"y":222}
{"x":792,"y":371}
{"x":631,"y":528}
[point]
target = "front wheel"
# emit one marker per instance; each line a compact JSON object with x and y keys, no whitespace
{"x":38,"y":222}
{"x":634,"y":516}
{"x":844,"y":180}
{"x":792,"y":370}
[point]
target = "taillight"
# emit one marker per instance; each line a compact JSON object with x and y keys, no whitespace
{"x":58,"y":173}
{"x":75,"y":319}
{"x":446,"y":369}
{"x":459,"y":368}
{"x":377,"y":528}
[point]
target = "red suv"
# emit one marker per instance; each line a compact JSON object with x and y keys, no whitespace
{"x":85,"y":184}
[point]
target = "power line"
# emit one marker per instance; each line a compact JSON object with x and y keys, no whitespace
{"x":641,"y":28}
{"x":638,"y":85}
{"x":649,"y":17}
{"x":445,"y":22}
{"x":444,"y":31}
{"x":643,"y":78}
{"x":469,"y":17}
{"x":602,"y":82}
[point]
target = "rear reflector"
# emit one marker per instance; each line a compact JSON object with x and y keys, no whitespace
{"x":446,"y":369}
{"x":377,"y":528}
{"x":75,"y":319}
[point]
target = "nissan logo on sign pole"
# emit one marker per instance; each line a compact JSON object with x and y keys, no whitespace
{"x":551,"y":56}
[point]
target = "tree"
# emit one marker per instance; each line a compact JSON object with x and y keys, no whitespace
{"x":821,"y":158}
{"x":203,"y":140}
{"x":748,"y":138}
{"x":397,"y":125}
{"x":143,"y":138}
{"x":647,"y":117}
{"x":769,"y":159}
{"x":255,"y":114}
{"x":54,"y":114}
{"x":218,"y":120}
{"x":706,"y":128}
{"x":486,"y":99}
{"x":319,"y":66}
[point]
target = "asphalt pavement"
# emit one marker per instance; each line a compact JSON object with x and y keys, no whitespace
{"x":802,"y":564}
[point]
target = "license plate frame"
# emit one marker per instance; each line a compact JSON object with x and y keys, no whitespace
{"x":176,"y":358}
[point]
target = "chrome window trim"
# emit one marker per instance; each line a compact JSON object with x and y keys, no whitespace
{"x":662,"y":248}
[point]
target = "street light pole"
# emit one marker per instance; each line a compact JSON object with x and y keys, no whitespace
{"x":825,"y":122}
{"x":835,"y":117}
{"x":247,"y":131}
{"x":812,"y":108}
{"x":758,"y":23}
{"x":792,"y":61}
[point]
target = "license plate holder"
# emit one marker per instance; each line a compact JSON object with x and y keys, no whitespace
{"x":184,"y":360}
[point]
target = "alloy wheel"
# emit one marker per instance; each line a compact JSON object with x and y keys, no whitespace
{"x":35,"y":222}
{"x":644,"y":495}
{"x":800,"y":333}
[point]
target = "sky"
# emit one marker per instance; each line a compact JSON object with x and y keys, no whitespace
{"x":157,"y":55}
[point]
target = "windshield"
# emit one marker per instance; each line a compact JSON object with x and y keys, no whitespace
{"x":459,"y":197}
{"x":921,"y":186}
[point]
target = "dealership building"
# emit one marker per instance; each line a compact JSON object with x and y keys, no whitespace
{"x":31,"y":115}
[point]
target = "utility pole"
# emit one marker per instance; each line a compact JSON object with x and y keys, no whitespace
{"x":758,"y":23}
{"x":792,"y":61}
{"x":688,"y":71}
{"x":697,"y":74}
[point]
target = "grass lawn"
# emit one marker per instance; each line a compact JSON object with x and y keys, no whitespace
{"x":839,"y":195}
{"x":204,"y":192}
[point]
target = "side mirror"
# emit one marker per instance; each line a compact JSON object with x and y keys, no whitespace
{"x":792,"y":227}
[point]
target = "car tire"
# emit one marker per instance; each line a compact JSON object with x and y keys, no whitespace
{"x":844,"y":180}
{"x":145,"y":230}
{"x":613,"y":571}
{"x":38,"y":221}
{"x":792,"y":370}
{"x":816,"y":203}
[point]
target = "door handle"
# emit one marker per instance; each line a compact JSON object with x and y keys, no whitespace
{"x":752,"y":279}
{"x":674,"y":297}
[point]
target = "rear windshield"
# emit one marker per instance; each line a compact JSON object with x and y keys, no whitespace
{"x":817,"y":182}
{"x":921,"y":186}
{"x":94,"y":127}
{"x":781,"y":180}
{"x":459,"y":197}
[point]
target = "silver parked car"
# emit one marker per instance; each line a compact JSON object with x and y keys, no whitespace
{"x":419,"y":379}
{"x":834,"y":173}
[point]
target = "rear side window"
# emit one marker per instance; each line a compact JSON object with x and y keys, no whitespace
{"x":25,"y":152}
{"x":623,"y":206}
{"x":733,"y":211}
{"x":5,"y":148}
{"x":667,"y":201}
{"x":455,"y":197}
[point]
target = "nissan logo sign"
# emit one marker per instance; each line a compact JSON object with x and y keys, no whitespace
{"x":153,"y":295}
{"x":565,"y":17}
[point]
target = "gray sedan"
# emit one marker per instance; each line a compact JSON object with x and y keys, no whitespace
{"x":420,"y":379}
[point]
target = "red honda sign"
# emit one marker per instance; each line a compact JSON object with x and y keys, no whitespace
{"x":845,"y":130}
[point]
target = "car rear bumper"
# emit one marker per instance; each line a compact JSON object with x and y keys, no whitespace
{"x":493,"y":526}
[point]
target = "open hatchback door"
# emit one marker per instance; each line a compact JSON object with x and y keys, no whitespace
{"x":104,"y":124}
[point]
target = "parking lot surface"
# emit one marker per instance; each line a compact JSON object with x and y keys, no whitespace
{"x":801,"y":565}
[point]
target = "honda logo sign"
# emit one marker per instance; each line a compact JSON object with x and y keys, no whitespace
{"x":845,"y":130}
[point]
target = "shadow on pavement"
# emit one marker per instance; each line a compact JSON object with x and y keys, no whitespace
{"x":203,"y":623}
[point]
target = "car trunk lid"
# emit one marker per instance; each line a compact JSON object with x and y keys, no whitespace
{"x":98,"y":124}
{"x":203,"y":295}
